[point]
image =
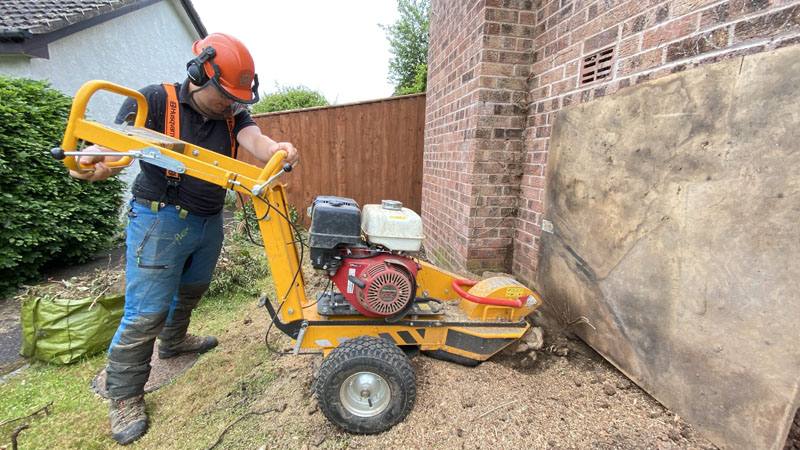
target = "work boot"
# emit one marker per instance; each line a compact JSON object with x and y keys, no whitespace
{"x":189,"y":344}
{"x":128,"y":419}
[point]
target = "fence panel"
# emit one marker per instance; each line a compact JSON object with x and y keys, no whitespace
{"x":368,"y":151}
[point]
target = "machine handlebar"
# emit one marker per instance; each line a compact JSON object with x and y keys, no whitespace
{"x":515,"y":303}
{"x":77,"y":118}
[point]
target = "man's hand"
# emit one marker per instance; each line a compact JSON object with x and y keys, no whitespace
{"x":101,"y":170}
{"x":291,"y":153}
{"x":263,"y":147}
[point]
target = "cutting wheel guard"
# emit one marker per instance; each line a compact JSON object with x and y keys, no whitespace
{"x":514,"y":303}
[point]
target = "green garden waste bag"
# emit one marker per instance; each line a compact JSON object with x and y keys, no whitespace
{"x":62,"y":331}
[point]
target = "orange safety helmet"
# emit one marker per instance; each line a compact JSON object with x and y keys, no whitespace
{"x":225,"y":62}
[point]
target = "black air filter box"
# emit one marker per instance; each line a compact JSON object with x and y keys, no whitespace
{"x":334,"y":221}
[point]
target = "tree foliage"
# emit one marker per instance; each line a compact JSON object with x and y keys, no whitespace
{"x":408,"y":38}
{"x":46,"y":216}
{"x":289,"y":97}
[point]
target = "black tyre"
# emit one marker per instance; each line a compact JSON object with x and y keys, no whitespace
{"x":366,"y":385}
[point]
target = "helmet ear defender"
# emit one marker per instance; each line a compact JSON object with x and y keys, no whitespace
{"x":194,"y":68}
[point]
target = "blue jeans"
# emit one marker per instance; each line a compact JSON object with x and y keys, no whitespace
{"x":170,"y":262}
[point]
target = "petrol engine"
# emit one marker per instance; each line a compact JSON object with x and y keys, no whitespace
{"x":362,"y":252}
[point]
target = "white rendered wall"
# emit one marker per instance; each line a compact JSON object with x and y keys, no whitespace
{"x":146,"y":46}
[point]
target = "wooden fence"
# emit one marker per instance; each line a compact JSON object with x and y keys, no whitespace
{"x":368,"y":151}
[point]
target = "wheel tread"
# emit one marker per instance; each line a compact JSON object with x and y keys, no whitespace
{"x":373,"y":348}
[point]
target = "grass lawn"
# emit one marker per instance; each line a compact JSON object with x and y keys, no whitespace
{"x":239,"y":376}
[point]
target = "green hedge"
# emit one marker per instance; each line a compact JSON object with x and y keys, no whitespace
{"x":287,"y":98}
{"x":46,"y":217}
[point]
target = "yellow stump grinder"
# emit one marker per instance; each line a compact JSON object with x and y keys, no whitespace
{"x":385,"y":304}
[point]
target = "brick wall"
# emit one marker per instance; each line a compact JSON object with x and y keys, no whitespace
{"x":500,"y":69}
{"x":479,"y":60}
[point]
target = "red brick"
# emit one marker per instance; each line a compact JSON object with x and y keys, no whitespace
{"x":601,"y":40}
{"x":681,"y":7}
{"x":543,"y":132}
{"x":564,"y":86}
{"x":499,"y":42}
{"x":524,"y":44}
{"x":572,"y":68}
{"x":716,"y":15}
{"x":628,"y":47}
{"x":555,"y":19}
{"x":741,"y":8}
{"x":526,"y":5}
{"x":527,"y":18}
{"x":578,"y":19}
{"x":637,"y":24}
{"x":515,"y":57}
{"x":496,"y":69}
{"x":543,"y":39}
{"x":697,"y":45}
{"x":772,"y":24}
{"x":669,"y":32}
{"x":640,"y":62}
{"x":589,"y":29}
{"x":623,"y":12}
{"x":501,"y":15}
{"x":551,"y":76}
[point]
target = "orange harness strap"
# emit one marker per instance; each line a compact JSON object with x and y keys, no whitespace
{"x":172,"y":122}
{"x":231,"y":121}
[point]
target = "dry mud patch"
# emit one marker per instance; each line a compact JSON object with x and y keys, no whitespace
{"x":569,"y":398}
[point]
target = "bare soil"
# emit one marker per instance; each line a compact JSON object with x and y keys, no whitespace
{"x":569,"y":397}
{"x":563,"y":396}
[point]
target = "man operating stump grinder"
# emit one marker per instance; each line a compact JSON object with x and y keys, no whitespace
{"x":166,"y":275}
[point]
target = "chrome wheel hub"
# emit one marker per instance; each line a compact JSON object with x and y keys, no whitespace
{"x":365,"y":394}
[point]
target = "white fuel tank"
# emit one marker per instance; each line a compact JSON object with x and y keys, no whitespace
{"x":392,"y":226}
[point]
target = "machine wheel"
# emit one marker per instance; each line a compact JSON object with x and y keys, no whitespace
{"x":366,"y":385}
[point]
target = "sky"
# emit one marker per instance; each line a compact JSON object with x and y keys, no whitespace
{"x":333,"y":46}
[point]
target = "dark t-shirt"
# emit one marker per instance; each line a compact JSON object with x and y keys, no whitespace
{"x":195,"y":195}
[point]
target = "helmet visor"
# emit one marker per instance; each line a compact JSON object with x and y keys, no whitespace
{"x":241,"y":95}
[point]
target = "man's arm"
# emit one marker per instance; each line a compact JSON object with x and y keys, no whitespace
{"x":262,"y":147}
{"x":101,"y":170}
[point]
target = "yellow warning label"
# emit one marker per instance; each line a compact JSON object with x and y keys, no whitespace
{"x":514,"y":292}
{"x":424,"y":306}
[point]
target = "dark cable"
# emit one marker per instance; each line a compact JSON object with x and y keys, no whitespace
{"x":328,"y":287}
{"x":246,"y":218}
{"x":296,"y":273}
{"x":269,"y":328}
{"x":297,"y":235}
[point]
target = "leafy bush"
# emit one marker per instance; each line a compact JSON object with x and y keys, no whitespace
{"x":289,"y":97}
{"x":240,"y":269}
{"x":45,"y":215}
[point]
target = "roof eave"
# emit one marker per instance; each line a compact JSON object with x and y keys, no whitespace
{"x":194,"y":18}
{"x":23,"y":42}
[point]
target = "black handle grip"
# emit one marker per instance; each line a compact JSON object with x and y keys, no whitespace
{"x":287,"y":167}
{"x":57,"y":153}
{"x":357,"y":282}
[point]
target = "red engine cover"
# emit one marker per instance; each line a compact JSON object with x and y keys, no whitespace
{"x":388,"y":283}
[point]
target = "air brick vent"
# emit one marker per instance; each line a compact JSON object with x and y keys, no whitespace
{"x":597,"y":66}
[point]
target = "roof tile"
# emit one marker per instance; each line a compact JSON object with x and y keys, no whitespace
{"x":44,"y":16}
